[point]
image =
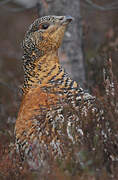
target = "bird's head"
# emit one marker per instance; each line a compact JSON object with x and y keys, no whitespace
{"x":46,"y":34}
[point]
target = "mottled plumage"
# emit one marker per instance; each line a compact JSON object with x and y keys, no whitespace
{"x":50,"y":96}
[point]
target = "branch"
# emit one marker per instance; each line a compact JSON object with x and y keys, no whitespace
{"x":109,"y":78}
{"x":10,"y":9}
{"x":16,"y":9}
{"x":37,"y":6}
{"x":112,"y":6}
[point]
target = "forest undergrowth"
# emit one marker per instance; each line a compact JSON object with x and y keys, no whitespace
{"x":94,"y":157}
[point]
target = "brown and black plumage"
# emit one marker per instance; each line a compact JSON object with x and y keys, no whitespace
{"x":47,"y":90}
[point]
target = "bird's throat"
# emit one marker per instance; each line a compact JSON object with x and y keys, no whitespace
{"x":40,"y":70}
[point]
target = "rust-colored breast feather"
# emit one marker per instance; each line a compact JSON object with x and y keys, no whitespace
{"x":33,"y":104}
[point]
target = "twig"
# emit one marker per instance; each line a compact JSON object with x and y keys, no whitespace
{"x":16,"y":9}
{"x":45,"y":4}
{"x":112,"y":6}
{"x":108,"y":78}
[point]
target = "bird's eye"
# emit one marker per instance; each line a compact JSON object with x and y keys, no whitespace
{"x":44,"y":26}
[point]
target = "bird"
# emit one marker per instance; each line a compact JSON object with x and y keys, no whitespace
{"x":46,"y":119}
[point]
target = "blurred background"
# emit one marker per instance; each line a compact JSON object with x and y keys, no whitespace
{"x":92,"y":36}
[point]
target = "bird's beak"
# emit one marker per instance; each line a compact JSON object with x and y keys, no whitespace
{"x":66,"y":20}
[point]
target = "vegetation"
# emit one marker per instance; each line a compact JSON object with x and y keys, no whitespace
{"x":93,"y":157}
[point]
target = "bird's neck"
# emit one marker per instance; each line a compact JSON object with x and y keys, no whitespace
{"x":39,"y":71}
